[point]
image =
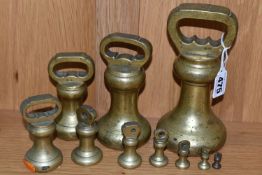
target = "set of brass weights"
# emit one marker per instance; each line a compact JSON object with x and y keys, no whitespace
{"x":190,"y":129}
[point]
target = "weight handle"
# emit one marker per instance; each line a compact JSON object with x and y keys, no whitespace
{"x":202,"y":12}
{"x":131,"y":130}
{"x":86,"y":114}
{"x":71,"y":57}
{"x":161,"y":134}
{"x":40,"y":116}
{"x":132,"y":40}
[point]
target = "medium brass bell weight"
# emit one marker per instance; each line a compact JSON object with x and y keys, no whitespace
{"x":43,"y":156}
{"x":197,"y":66}
{"x":71,"y":89}
{"x":124,"y":77}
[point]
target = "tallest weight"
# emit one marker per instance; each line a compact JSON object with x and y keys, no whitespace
{"x":197,"y":66}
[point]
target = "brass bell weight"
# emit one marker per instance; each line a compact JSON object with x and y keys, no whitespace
{"x":197,"y":66}
{"x":130,"y":159}
{"x":71,"y":89}
{"x":158,"y":159}
{"x":86,"y":153}
{"x":43,"y":156}
{"x":124,"y":78}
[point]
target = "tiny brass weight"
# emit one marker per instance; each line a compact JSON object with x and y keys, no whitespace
{"x":183,"y":152}
{"x":204,"y":164}
{"x":217,"y":160}
{"x":158,"y":159}
{"x":43,"y":156}
{"x":86,"y":153}
{"x":71,"y":89}
{"x":129,"y":159}
{"x":197,"y":66}
{"x":124,"y":77}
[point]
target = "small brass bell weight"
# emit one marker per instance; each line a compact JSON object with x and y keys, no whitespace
{"x":43,"y":156}
{"x":124,"y":77}
{"x":71,"y":89}
{"x":197,"y":66}
{"x":158,"y":159}
{"x":130,"y":159}
{"x":86,"y":153}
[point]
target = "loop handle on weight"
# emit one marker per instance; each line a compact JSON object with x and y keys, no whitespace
{"x":131,"y":130}
{"x":37,"y":117}
{"x":78,"y":57}
{"x":195,"y":45}
{"x":132,"y":40}
{"x":86,"y":114}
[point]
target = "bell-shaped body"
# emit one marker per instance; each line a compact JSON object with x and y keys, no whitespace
{"x":86,"y":153}
{"x":71,"y":95}
{"x":124,"y":83}
{"x":194,"y":120}
{"x":124,"y":78}
{"x":197,"y":66}
{"x":43,"y":156}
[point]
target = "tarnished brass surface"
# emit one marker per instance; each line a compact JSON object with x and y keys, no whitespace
{"x":43,"y":156}
{"x":129,"y":159}
{"x":183,"y":151}
{"x":86,"y":153}
{"x":158,"y":159}
{"x":124,"y":77}
{"x":71,"y":90}
{"x":217,"y":160}
{"x":197,"y":65}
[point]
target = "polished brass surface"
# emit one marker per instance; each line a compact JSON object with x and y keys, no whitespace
{"x":71,"y":89}
{"x":183,"y":152}
{"x":158,"y":159}
{"x":86,"y":153}
{"x":197,"y":66}
{"x":43,"y":156}
{"x":124,"y":77}
{"x":129,"y":159}
{"x":217,"y":160}
{"x":204,"y":164}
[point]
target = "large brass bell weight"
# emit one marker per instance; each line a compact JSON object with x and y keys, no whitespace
{"x":124,"y":78}
{"x":71,"y":87}
{"x":197,"y":66}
